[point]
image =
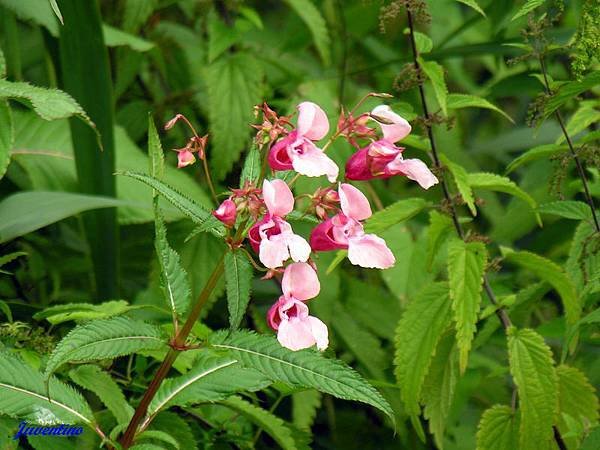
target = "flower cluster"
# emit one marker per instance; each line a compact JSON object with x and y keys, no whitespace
{"x":341,"y":208}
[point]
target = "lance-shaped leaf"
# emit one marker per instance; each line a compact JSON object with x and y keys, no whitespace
{"x":155,"y":151}
{"x":419,"y":331}
{"x":238,"y":277}
{"x":458,"y":101}
{"x":83,"y":311}
{"x":23,"y":395}
{"x":252,"y":167}
{"x":466,"y":267}
{"x":304,"y":368}
{"x":461,"y":178}
{"x":211,"y":378}
{"x":435,"y":72}
{"x":103,"y":339}
{"x":313,"y":19}
{"x":498,"y":429}
{"x":98,"y":381}
{"x":305,"y":405}
{"x":569,"y":209}
{"x":532,"y":368}
{"x":174,"y":279}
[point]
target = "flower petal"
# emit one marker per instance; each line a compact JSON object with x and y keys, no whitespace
{"x":322,"y":239}
{"x":312,"y":121}
{"x":226,"y":212}
{"x":185,"y":158}
{"x":314,"y":163}
{"x":279,"y":158}
{"x":278,"y":197}
{"x":398,"y":129}
{"x":353,"y":202}
{"x":413,"y":169}
{"x":357,"y":166}
{"x":299,"y":248}
{"x":300,"y":281}
{"x":273,"y":252}
{"x":319,"y":332}
{"x":370,"y":251}
{"x":295,"y":334}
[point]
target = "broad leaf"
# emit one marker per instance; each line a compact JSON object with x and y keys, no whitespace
{"x":466,"y":268}
{"x":569,"y":209}
{"x":435,"y":73}
{"x":102,"y":339}
{"x":313,"y":19}
{"x":532,"y":368}
{"x":395,"y":213}
{"x":498,"y":429}
{"x":459,"y":101}
{"x":304,"y":368}
{"x":238,"y":279}
{"x":23,"y":395}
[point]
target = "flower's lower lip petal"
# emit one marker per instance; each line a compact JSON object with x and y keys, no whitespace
{"x":295,"y":334}
{"x":370,"y":251}
{"x":314,"y":163}
{"x":413,"y":169}
{"x":273,"y":252}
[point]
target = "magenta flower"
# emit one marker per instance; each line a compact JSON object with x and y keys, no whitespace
{"x":272,"y":237}
{"x":226,"y":212}
{"x":383,"y":159}
{"x":297,"y":150}
{"x":185,"y":158}
{"x":344,"y":231}
{"x":296,"y":329}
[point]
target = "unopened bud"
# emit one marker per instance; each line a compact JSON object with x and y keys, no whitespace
{"x":171,"y":123}
{"x":226,"y":213}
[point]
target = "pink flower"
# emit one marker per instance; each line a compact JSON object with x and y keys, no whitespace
{"x":226,"y":212}
{"x":297,"y":150}
{"x":344,"y":231}
{"x":272,"y":237}
{"x":383,"y":159}
{"x":296,"y":329}
{"x":185,"y":158}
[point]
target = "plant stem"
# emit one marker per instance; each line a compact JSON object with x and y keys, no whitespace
{"x":588,"y":197}
{"x":501,"y":313}
{"x":177,"y":347}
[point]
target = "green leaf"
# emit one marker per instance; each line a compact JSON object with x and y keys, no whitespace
{"x":540,"y":152}
{"x":569,"y":209}
{"x":532,"y":368}
{"x":174,"y":279}
{"x":6,"y":136}
{"x":466,"y":268}
{"x":211,"y":378}
{"x":435,"y":73}
{"x":461,"y":178}
{"x":576,"y":398}
{"x":439,"y":225}
{"x":419,"y":331}
{"x":113,"y":37}
{"x":83,"y":311}
{"x":592,"y":442}
{"x":176,"y":427}
{"x":529,"y":6}
{"x":103,"y":339}
{"x":459,"y":101}
{"x":252,"y":167}
{"x":424,"y":45}
{"x":554,"y":275}
{"x":305,"y":405}
{"x":498,"y":429}
{"x":473,"y":4}
{"x":236,"y":85}
{"x":23,"y":396}
{"x":570,"y":90}
{"x":108,"y":391}
{"x":186,"y":205}
{"x":304,"y":368}
{"x":315,"y":22}
{"x":56,"y":10}
{"x":5,"y":259}
{"x":270,"y":423}
{"x":585,"y":116}
{"x":24,"y":212}
{"x":591,"y":318}
{"x":155,"y":152}
{"x":158,"y":436}
{"x":395,"y":213}
{"x":2,"y":65}
{"x":238,"y":278}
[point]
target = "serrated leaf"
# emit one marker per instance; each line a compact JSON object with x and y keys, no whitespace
{"x":100,"y":383}
{"x":529,"y":6}
{"x":236,"y":85}
{"x":113,"y":37}
{"x":238,"y":279}
{"x":585,"y":116}
{"x":6,"y":135}
{"x":459,"y":101}
{"x":555,"y":276}
{"x":461,"y":178}
{"x":570,"y":90}
{"x":474,"y":5}
{"x":315,"y":22}
{"x":174,"y":278}
{"x":189,"y":207}
{"x":158,"y":436}
{"x":424,"y":45}
{"x":498,"y":429}
{"x":155,"y":151}
{"x":305,"y":405}
{"x":252,"y":167}
{"x":304,"y":368}
{"x":576,"y":398}
{"x":569,"y":209}
{"x":439,"y":225}
{"x":591,"y":318}
{"x":23,"y":395}
{"x":102,"y":339}
{"x":532,"y":368}
{"x":419,"y":331}
{"x":466,"y":267}
{"x":211,"y":378}
{"x":270,"y":423}
{"x":83,"y":311}
{"x":176,"y":427}
{"x":540,"y":152}
{"x":395,"y":213}
{"x":5,"y":259}
{"x":592,"y":442}
{"x":435,"y":73}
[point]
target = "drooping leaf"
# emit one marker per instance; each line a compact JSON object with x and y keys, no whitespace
{"x":238,"y":279}
{"x":235,"y":82}
{"x":83,"y":311}
{"x":461,"y":178}
{"x":540,"y":152}
{"x":459,"y":101}
{"x":473,"y":4}
{"x":315,"y":22}
{"x":305,"y":405}
{"x":498,"y":429}
{"x":6,"y":136}
{"x":435,"y":72}
{"x":23,"y":395}
{"x":303,"y":368}
{"x":569,"y":209}
{"x":529,"y":6}
{"x":576,"y":398}
{"x":24,"y":212}
{"x":94,"y":379}
{"x":102,"y":339}
{"x":532,"y":368}
{"x":466,"y":267}
{"x":419,"y":331}
{"x":395,"y":213}
{"x":211,"y":378}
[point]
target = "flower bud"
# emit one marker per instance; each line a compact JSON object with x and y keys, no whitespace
{"x":226,"y":212}
{"x":171,"y":123}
